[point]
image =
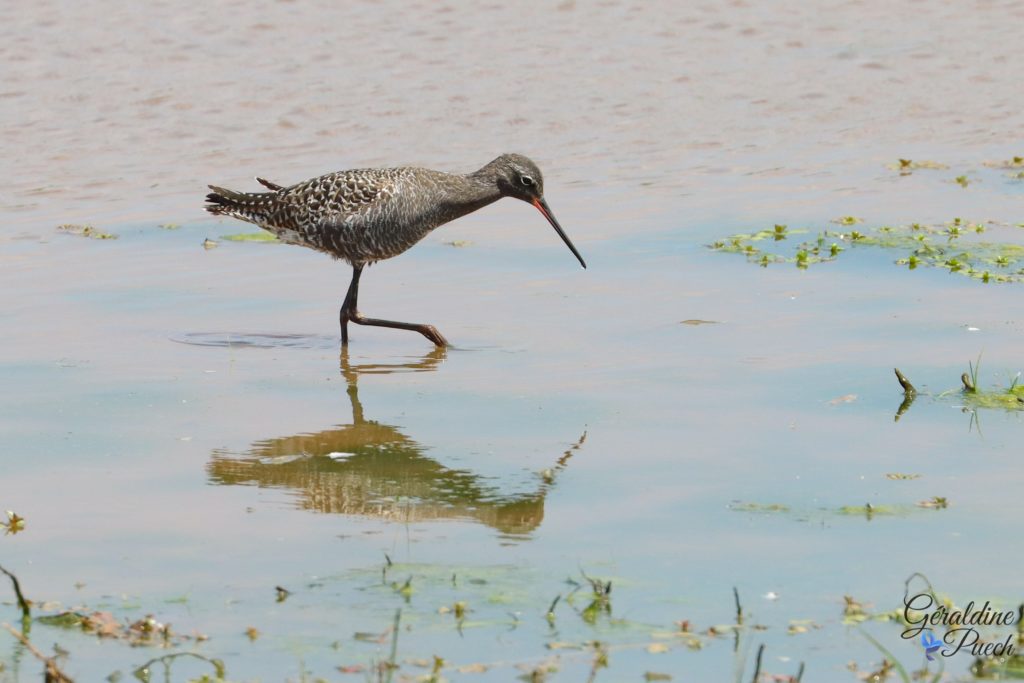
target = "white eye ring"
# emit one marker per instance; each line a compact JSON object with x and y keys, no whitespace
{"x":526,"y":180}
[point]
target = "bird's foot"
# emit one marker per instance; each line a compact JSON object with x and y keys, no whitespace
{"x":428,"y":331}
{"x":431,"y":333}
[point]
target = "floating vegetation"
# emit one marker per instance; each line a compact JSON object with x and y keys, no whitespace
{"x":210,"y":244}
{"x":261,"y":236}
{"x":14,"y":523}
{"x":459,"y":243}
{"x":961,"y":628}
{"x":169,"y":226}
{"x":1009,"y":398}
{"x":1011,"y":163}
{"x":907,"y":166}
{"x":740,"y":506}
{"x":925,"y":246}
{"x":144,"y":631}
{"x":86,"y":231}
{"x":962,"y":180}
{"x":848,"y":220}
{"x":868,"y":510}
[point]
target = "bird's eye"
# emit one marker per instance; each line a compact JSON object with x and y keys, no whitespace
{"x":526,"y":180}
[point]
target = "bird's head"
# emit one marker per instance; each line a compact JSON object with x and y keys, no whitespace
{"x":517,"y":176}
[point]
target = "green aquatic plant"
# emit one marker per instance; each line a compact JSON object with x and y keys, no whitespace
{"x":1011,"y":398}
{"x":1006,"y":399}
{"x":906,"y":166}
{"x":600,"y":599}
{"x":868,"y":510}
{"x":1012,"y":162}
{"x":758,"y":507}
{"x":972,"y":387}
{"x":86,"y":231}
{"x":974,"y":397}
{"x":261,"y":236}
{"x":14,"y":524}
{"x":951,"y":246}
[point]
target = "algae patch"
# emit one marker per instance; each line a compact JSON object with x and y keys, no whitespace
{"x":86,"y":231}
{"x":954,"y":246}
{"x":261,"y":236}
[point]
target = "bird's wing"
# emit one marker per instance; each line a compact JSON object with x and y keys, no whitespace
{"x":334,"y":212}
{"x":337,"y":196}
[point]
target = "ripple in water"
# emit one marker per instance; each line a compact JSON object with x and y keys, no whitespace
{"x":254,"y":340}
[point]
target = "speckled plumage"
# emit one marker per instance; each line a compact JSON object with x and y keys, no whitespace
{"x":367,"y":215}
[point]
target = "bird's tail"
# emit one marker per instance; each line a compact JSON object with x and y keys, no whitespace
{"x":255,"y":207}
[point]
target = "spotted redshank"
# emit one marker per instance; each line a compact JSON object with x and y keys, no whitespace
{"x":367,"y":215}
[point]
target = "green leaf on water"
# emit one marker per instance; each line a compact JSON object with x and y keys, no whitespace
{"x":740,"y":506}
{"x":938,"y":246}
{"x":867,"y":510}
{"x":62,"y":620}
{"x":848,"y":220}
{"x":261,"y":236}
{"x":905,"y":166}
{"x":86,"y":231}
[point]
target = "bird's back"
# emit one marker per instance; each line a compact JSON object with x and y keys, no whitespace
{"x":360,"y":215}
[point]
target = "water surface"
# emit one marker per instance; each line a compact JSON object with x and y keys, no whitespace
{"x":183,"y":435}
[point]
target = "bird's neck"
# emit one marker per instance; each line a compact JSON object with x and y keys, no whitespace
{"x":467,"y":194}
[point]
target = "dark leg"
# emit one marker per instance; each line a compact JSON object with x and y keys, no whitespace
{"x":349,"y":304}
{"x":350,"y":311}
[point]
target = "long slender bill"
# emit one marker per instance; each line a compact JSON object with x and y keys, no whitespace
{"x":542,"y":206}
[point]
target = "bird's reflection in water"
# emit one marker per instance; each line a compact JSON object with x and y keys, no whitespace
{"x":374,"y":470}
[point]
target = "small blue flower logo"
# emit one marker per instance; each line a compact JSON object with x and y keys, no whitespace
{"x":930,"y":643}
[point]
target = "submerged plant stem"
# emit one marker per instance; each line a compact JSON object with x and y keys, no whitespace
{"x":53,"y":674}
{"x":392,"y":659}
{"x":26,"y":612}
{"x":908,"y":388}
{"x":757,"y":663}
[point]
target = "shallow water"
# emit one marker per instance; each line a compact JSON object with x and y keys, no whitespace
{"x":182,"y":435}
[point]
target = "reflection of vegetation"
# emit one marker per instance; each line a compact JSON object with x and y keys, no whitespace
{"x":1008,"y":665}
{"x":373,"y":469}
{"x":1010,"y":398}
{"x":1002,"y":667}
{"x":949,"y":246}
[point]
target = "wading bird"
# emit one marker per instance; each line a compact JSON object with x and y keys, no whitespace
{"x":367,"y":215}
